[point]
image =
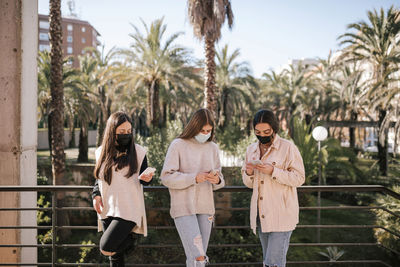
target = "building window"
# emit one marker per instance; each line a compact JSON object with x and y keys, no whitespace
{"x":83,"y":51}
{"x":69,"y":39}
{"x":43,"y":47}
{"x":43,"y":36}
{"x":83,"y":40}
{"x":43,"y":24}
{"x":70,"y":27}
{"x":83,"y":29}
{"x":69,"y":50}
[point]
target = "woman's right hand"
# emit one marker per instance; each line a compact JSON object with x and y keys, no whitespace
{"x":201,"y":177}
{"x":250,"y":169}
{"x":98,"y":204}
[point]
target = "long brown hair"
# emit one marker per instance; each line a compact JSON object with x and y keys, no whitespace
{"x":198,"y":120}
{"x":109,"y":152}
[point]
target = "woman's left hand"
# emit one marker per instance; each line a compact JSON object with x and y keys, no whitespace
{"x":214,"y":179}
{"x":265,"y":168}
{"x":146,"y":177}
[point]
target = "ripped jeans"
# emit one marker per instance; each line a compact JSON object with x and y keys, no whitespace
{"x":194,"y":231}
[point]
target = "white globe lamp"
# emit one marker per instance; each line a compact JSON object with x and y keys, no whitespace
{"x":320,"y":133}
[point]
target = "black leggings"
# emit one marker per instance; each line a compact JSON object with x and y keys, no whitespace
{"x":116,"y":236}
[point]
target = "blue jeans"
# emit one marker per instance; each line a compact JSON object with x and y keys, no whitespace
{"x":274,"y":245}
{"x":194,"y":231}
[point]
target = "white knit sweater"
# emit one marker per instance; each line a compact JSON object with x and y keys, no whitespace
{"x":185,"y":159}
{"x":124,"y":198}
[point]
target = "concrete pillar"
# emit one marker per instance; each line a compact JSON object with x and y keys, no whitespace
{"x":18,"y":123}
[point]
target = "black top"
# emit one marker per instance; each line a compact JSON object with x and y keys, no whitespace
{"x":96,"y":190}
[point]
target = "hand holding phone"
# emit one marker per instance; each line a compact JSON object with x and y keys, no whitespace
{"x":147,"y":174}
{"x":213,"y":177}
{"x":256,"y":162}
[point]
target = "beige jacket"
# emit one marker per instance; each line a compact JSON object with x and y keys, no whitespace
{"x":124,"y":198}
{"x":275,"y":196}
{"x":184,"y":160}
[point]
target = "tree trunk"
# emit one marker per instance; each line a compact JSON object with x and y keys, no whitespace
{"x":383,"y":148}
{"x":153,"y":104}
{"x":100,"y":130}
{"x":209,"y":76}
{"x":57,"y":94}
{"x":71,"y":142}
{"x":57,"y":109}
{"x":352,"y":130}
{"x":83,"y":143}
{"x":164,"y":114}
{"x":49,"y":132}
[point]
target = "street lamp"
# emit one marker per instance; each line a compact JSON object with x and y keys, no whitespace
{"x":319,"y":133}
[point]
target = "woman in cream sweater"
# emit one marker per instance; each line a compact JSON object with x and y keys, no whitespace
{"x":118,"y":193}
{"x":273,"y":168}
{"x":192,"y":171}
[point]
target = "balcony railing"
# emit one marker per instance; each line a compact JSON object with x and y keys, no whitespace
{"x":55,"y":209}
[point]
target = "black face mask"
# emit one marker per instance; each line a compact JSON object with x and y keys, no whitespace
{"x":264,"y":139}
{"x":123,"y":140}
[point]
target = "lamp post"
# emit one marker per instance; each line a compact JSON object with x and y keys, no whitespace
{"x":319,"y":133}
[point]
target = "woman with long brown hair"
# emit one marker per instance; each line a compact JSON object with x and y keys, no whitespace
{"x":118,"y":193}
{"x":191,"y":171}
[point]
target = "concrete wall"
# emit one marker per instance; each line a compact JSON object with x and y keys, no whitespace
{"x":43,"y":140}
{"x":18,"y":108}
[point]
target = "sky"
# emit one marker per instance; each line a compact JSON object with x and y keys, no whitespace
{"x":269,"y":33}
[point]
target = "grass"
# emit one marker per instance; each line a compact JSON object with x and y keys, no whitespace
{"x":71,"y":155}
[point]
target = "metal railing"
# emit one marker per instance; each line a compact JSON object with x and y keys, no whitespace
{"x":54,"y":209}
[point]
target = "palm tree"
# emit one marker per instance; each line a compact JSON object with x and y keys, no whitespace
{"x":350,"y":88}
{"x":156,"y":65}
{"x":69,"y":80}
{"x":234,"y":84}
{"x":104,"y":92}
{"x":292,"y":85}
{"x":207,"y":18}
{"x":375,"y":44}
{"x":56,"y":115}
{"x":84,"y":106}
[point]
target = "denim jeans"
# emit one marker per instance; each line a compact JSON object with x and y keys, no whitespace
{"x":274,"y":245}
{"x":194,"y":231}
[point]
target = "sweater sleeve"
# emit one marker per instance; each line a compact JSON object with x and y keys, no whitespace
{"x":294,"y":174}
{"x":171,"y":177}
{"x":219,"y":169}
{"x":142,"y":169}
{"x":247,"y":179}
{"x":96,"y":190}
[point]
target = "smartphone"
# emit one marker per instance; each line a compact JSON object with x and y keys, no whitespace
{"x":148,"y":170}
{"x":214,"y":172}
{"x":256,"y":162}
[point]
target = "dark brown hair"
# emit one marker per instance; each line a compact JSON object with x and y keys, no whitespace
{"x":109,"y":157}
{"x":266,"y":116}
{"x":198,"y":120}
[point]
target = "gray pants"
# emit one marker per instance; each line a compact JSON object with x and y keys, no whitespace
{"x":194,"y":231}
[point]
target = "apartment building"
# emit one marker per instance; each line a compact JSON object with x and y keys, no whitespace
{"x":77,"y":35}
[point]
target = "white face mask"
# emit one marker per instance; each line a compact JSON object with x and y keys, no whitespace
{"x":202,"y":138}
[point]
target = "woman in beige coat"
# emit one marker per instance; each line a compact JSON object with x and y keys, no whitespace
{"x":273,"y":168}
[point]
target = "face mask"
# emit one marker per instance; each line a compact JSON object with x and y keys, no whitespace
{"x":264,"y":139}
{"x":123,"y":140}
{"x":202,"y":138}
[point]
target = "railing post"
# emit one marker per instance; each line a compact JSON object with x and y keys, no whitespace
{"x":53,"y":227}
